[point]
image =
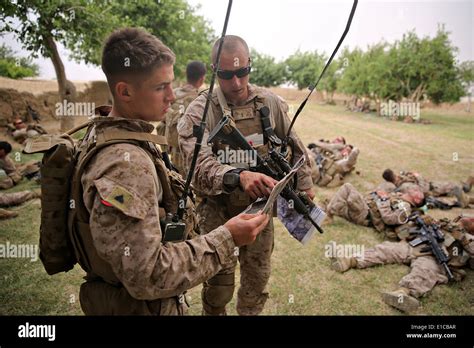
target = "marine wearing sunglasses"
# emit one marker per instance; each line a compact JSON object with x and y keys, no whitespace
{"x":229,"y":74}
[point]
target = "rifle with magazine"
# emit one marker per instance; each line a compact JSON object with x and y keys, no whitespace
{"x":274,"y":165}
{"x":433,"y":237}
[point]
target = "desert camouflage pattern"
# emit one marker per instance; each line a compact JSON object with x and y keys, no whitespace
{"x":126,"y":234}
{"x":184,"y":96}
{"x":217,"y":205}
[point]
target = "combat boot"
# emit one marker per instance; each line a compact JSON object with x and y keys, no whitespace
{"x":343,"y":264}
{"x":467,"y":185}
{"x":401,"y":300}
{"x":7,"y":214}
{"x":462,"y":198}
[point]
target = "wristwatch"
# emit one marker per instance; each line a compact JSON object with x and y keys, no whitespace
{"x":231,"y":179}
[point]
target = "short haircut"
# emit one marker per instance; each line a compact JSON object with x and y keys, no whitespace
{"x":195,"y":70}
{"x":5,"y":146}
{"x":389,"y":175}
{"x":132,"y":54}
{"x":232,"y":43}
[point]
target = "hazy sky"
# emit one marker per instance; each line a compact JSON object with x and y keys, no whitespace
{"x":279,"y":27}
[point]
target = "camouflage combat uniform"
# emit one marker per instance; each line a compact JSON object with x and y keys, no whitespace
{"x":11,"y":176}
{"x":14,"y":198}
{"x":218,"y":205}
{"x":382,"y":214}
{"x":425,"y":271}
{"x":448,"y":193}
{"x":330,"y":166}
{"x":184,"y":96}
{"x":125,"y":191}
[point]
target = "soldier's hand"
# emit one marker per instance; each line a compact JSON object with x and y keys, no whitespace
{"x":256,"y":184}
{"x":245,"y":227}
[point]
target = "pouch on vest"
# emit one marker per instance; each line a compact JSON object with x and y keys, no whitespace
{"x":56,"y":253}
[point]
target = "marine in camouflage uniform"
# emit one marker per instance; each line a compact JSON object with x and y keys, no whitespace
{"x":379,"y":209}
{"x":10,"y":173}
{"x":425,"y":272}
{"x":219,"y":202}
{"x":14,"y":198}
{"x":332,"y":161}
{"x":442,"y":194}
{"x":125,"y":189}
{"x":195,"y":76}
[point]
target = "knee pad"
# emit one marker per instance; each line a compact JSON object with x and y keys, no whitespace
{"x":218,"y":291}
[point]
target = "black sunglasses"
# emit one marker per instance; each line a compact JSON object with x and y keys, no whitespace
{"x":229,"y":74}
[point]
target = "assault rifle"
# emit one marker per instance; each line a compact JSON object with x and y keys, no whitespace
{"x":431,"y":235}
{"x":274,"y":165}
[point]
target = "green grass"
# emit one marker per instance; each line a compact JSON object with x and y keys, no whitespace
{"x":299,"y":273}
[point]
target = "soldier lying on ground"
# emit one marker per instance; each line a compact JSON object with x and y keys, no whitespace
{"x":380,"y":209}
{"x":24,"y":131}
{"x":439,"y":194}
{"x":11,"y":173}
{"x":331,"y":161}
{"x":425,"y":271}
{"x":15,"y":198}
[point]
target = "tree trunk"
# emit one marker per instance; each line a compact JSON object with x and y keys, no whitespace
{"x":67,"y":91}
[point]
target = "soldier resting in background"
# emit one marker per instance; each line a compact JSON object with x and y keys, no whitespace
{"x":23,"y":131}
{"x":438,"y":194}
{"x":380,"y":209}
{"x":331,"y":161}
{"x":11,"y":173}
{"x":15,"y":198}
{"x":425,"y":271}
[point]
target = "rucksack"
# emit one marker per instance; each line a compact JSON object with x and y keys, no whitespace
{"x":61,"y":169}
{"x":56,"y":251}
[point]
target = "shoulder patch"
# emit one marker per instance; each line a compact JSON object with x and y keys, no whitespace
{"x":120,"y":198}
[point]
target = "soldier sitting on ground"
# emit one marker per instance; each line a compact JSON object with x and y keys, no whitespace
{"x":11,"y":173}
{"x":425,"y":271}
{"x":438,"y":194}
{"x":331,"y":161}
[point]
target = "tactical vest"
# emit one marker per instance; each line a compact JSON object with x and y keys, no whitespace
{"x":248,"y":120}
{"x":376,"y":217}
{"x":172,"y":185}
{"x":65,"y":236}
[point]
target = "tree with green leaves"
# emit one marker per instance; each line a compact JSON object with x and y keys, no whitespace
{"x":265,"y":71}
{"x":79,"y":25}
{"x":427,"y":66}
{"x":303,"y":68}
{"x":82,"y":25}
{"x":14,"y":67}
{"x":466,"y":75}
{"x":175,"y":22}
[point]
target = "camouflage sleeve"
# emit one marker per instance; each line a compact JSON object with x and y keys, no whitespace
{"x":125,"y":227}
{"x":392,"y":216}
{"x":209,"y":173}
{"x":279,"y":110}
{"x":8,"y":165}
